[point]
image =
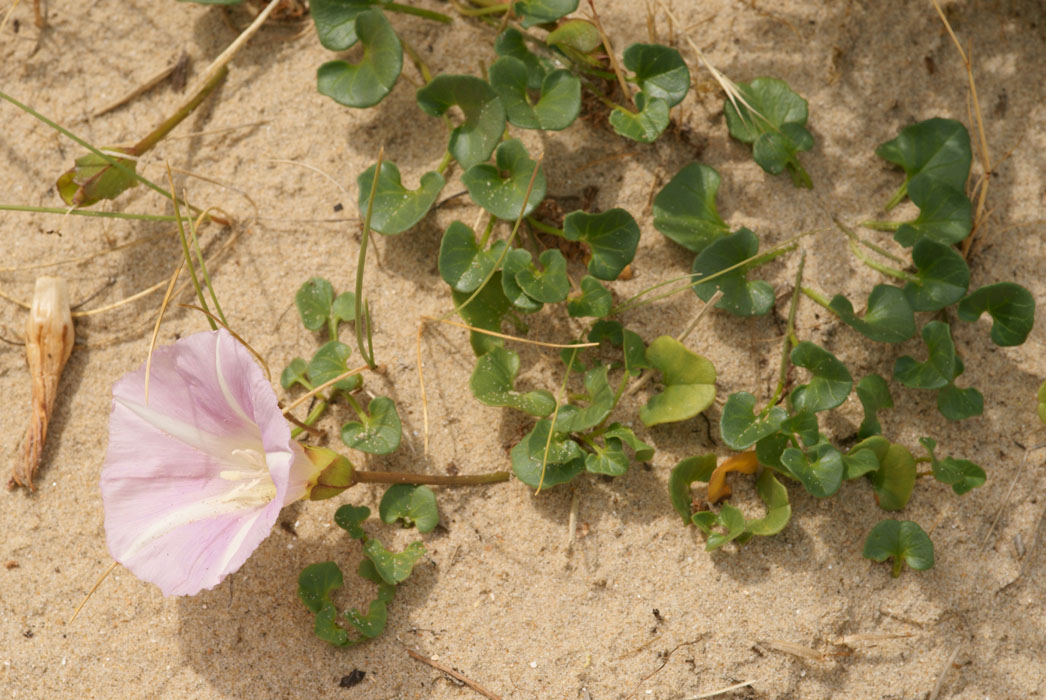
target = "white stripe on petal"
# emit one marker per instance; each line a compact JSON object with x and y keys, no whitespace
{"x":223,"y":385}
{"x":218,"y":447}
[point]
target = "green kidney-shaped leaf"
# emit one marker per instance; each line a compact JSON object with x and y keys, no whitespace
{"x":903,"y":540}
{"x":484,"y":311}
{"x":646,"y":124}
{"x":493,"y":383}
{"x":366,"y":83}
{"x":379,"y":430}
{"x":888,"y":319}
{"x":511,"y":43}
{"x":685,"y":473}
{"x":462,"y":264}
{"x":729,"y":518}
{"x":739,"y":426}
{"x":335,"y":20}
{"x":874,"y":395}
{"x":393,"y":567}
{"x":473,"y":141}
{"x":556,"y":109}
{"x":414,"y":506}
{"x":894,"y":480}
{"x":861,"y":461}
{"x":1011,"y":306}
{"x":612,"y":236}
{"x":528,"y":453}
{"x":689,"y":381}
{"x":600,"y":396}
{"x":936,"y":148}
{"x":502,"y":189}
{"x":941,"y":367}
{"x":830,"y":384}
{"x":396,"y":208}
{"x":531,"y":12}
{"x":316,"y":582}
{"x":961,"y":474}
{"x":819,"y":469}
{"x":943,"y":276}
{"x":548,"y":284}
{"x":778,"y":132}
{"x":314,"y":299}
{"x":945,"y":213}
{"x":685,"y":209}
{"x":959,"y":404}
{"x":344,"y":307}
{"x":350,"y":518}
{"x":294,"y":373}
{"x":660,"y":71}
{"x":328,"y":363}
{"x":778,"y":511}
{"x":740,"y":297}
{"x":516,"y":261}
{"x":595,"y":299}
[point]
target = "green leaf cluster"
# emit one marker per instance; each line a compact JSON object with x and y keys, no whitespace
{"x":771,"y":117}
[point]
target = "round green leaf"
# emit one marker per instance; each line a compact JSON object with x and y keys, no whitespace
{"x":516,"y":261}
{"x":739,"y":426}
{"x":819,"y":469}
{"x":940,"y":368}
{"x":556,"y":109}
{"x":729,"y":518}
{"x":646,"y":124}
{"x":531,"y":12}
{"x":565,"y":458}
{"x":961,"y":474}
{"x":366,"y":83}
{"x":414,"y":506}
{"x":740,"y":297}
{"x":493,"y":383}
{"x":660,"y":71}
{"x":344,"y":307}
{"x":462,"y":264}
{"x":378,"y":432}
{"x":943,"y":276}
{"x":473,"y":141}
{"x":938,"y":148}
{"x":830,"y":384}
{"x":959,"y":404}
{"x":888,"y":319}
{"x":484,"y":311}
{"x":777,"y":132}
{"x":294,"y":373}
{"x":874,"y":395}
{"x":689,"y":381}
{"x":350,"y":518}
{"x":903,"y":540}
{"x":330,"y":361}
{"x":335,"y":21}
{"x":685,"y":209}
{"x":575,"y":37}
{"x":595,"y":299}
{"x":396,"y":208}
{"x":600,"y":397}
{"x":612,"y":236}
{"x":502,"y":188}
{"x":548,"y":284}
{"x":511,"y":43}
{"x":393,"y":567}
{"x":1011,"y":306}
{"x":945,"y":213}
{"x":894,"y":480}
{"x":313,"y":300}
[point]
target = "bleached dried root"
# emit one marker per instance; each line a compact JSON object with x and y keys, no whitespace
{"x":48,"y":344}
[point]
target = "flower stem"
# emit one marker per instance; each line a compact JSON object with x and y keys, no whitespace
{"x":817,"y":297}
{"x":361,"y":264}
{"x":418,"y":12}
{"x":361,"y":477}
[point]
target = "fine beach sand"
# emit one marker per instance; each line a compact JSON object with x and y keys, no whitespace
{"x":635,"y":607}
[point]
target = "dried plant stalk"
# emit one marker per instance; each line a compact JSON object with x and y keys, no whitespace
{"x":48,"y":344}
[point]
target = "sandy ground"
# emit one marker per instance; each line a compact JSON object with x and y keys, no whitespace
{"x":636,"y":608}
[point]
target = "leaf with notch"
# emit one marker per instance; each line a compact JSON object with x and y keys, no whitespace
{"x":473,"y":141}
{"x":819,"y":469}
{"x":565,"y":458}
{"x":739,"y":426}
{"x":683,"y":475}
{"x":413,"y":505}
{"x":548,"y":284}
{"x":633,"y":348}
{"x":938,"y":149}
{"x":335,"y":20}
{"x":804,"y":424}
{"x":313,"y":300}
{"x":294,"y":373}
{"x":1011,"y":306}
{"x":511,"y":43}
{"x":888,"y":318}
{"x":344,"y":307}
{"x":959,"y":404}
{"x":660,"y":71}
{"x":462,"y":263}
{"x":328,"y":363}
{"x":778,"y":511}
{"x":556,"y":109}
{"x":961,"y":474}
{"x":378,"y":432}
{"x":611,"y":459}
{"x":945,"y":213}
{"x":941,"y":366}
{"x":645,"y":125}
{"x":903,"y":540}
{"x":894,"y":480}
{"x":595,"y":299}
{"x":685,"y":209}
{"x":874,"y":395}
{"x":612,"y":236}
{"x":516,"y":261}
{"x":943,"y":276}
{"x":531,"y":12}
{"x":689,"y":381}
{"x":729,"y":518}
{"x":830,"y":384}
{"x":578,"y":39}
{"x":501,"y":189}
{"x":350,"y":518}
{"x":316,"y":582}
{"x":366,"y":83}
{"x":859,"y":462}
{"x":740,"y":297}
{"x":493,"y":383}
{"x":600,"y":396}
{"x":485,"y":311}
{"x":778,"y":133}
{"x":396,"y":208}
{"x":393,"y":567}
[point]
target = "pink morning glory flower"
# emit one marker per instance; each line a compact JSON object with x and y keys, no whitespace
{"x":194,"y":479}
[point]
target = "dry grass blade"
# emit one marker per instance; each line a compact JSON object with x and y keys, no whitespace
{"x":305,"y":397}
{"x":180,"y":62}
{"x":944,"y":672}
{"x":794,"y":649}
{"x":453,"y":674}
{"x":105,"y":575}
{"x":234,"y":334}
{"x":1009,"y":492}
{"x":156,"y":328}
{"x":721,"y":691}
{"x":508,"y":337}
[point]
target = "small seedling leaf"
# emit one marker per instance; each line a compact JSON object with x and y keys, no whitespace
{"x":961,"y":474}
{"x":943,"y":276}
{"x":379,"y":430}
{"x":612,"y":236}
{"x":486,"y":312}
{"x":740,"y":297}
{"x":936,"y":148}
{"x":945,"y":213}
{"x":894,"y":480}
{"x":531,"y":12}
{"x":889,"y":317}
{"x":473,"y":141}
{"x":646,"y":124}
{"x":294,"y":373}
{"x":344,"y":307}
{"x":396,"y":208}
{"x":493,"y":383}
{"x":941,"y":367}
{"x":830,"y":384}
{"x":316,"y":582}
{"x":502,"y":189}
{"x":517,"y":260}
{"x":739,"y":426}
{"x":462,"y":264}
{"x":366,"y":83}
{"x":778,"y":133}
{"x":330,"y":361}
{"x":857,"y":463}
{"x":548,"y":284}
{"x":683,"y":475}
{"x":659,"y":70}
{"x":414,"y":506}
{"x":685,"y":209}
{"x":1011,"y":306}
{"x":874,"y":394}
{"x":595,"y":299}
{"x":689,"y":381}
{"x":393,"y":567}
{"x":959,"y":404}
{"x":511,"y":43}
{"x":350,"y":518}
{"x":556,"y":109}
{"x":729,"y":518}
{"x":616,"y":431}
{"x":373,"y":623}
{"x":819,"y":469}
{"x":903,"y":540}
{"x":314,"y":299}
{"x":335,"y":20}
{"x":804,"y":424}
{"x":565,"y":458}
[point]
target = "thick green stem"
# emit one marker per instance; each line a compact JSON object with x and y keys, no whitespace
{"x":817,"y":297}
{"x":314,"y":415}
{"x":491,"y":220}
{"x":158,"y":134}
{"x":789,"y":340}
{"x":361,"y":264}
{"x":418,"y":62}
{"x":359,"y":477}
{"x":900,"y":194}
{"x":883,"y":225}
{"x":444,"y":163}
{"x":357,"y":408}
{"x":545,"y":228}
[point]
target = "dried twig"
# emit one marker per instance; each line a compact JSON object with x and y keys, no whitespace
{"x":180,"y":64}
{"x":944,"y":672}
{"x":453,"y":674}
